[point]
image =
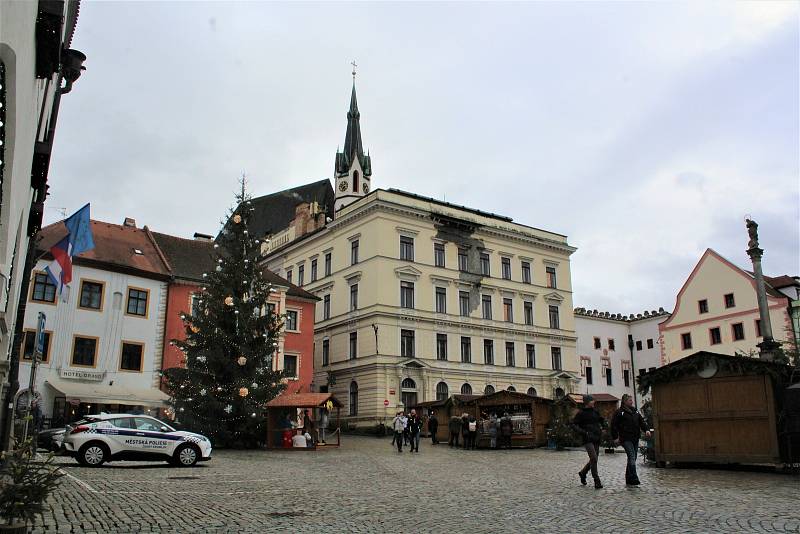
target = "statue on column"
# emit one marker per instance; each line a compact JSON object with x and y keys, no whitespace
{"x":752,"y":231}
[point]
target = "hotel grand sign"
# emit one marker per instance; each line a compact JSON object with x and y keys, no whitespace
{"x":80,"y":374}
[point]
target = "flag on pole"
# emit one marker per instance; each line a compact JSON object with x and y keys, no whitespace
{"x":78,"y":240}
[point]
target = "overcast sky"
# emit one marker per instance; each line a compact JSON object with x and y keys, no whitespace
{"x":643,"y":131}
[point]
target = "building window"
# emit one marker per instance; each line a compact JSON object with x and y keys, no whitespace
{"x":407,"y":343}
{"x":626,"y":377}
{"x":738,"y":331}
{"x":326,"y":307}
{"x":466,"y":350}
{"x":326,"y":352}
{"x":511,"y":388}
{"x":406,"y":294}
{"x":758,"y":327}
{"x":463,"y":303}
{"x":715,"y":335}
{"x":532,"y":391}
{"x":729,"y":301}
{"x":438,"y":254}
{"x":650,"y":343}
{"x":528,"y":312}
{"x":301,"y":275}
{"x":291,"y":320}
{"x":314,"y":270}
{"x":526,"y":272}
{"x":29,"y":343}
{"x":588,"y":372}
{"x":508,"y":310}
{"x":441,"y":347}
{"x":44,"y":290}
{"x":137,"y":302}
{"x":486,"y":306}
{"x":488,"y":352}
{"x":354,"y":252}
{"x":353,"y":398}
{"x":612,"y":344}
{"x":441,"y":300}
{"x":355,"y":181}
{"x":686,"y":341}
{"x":488,"y":390}
{"x":702,"y":306}
{"x":442,"y":393}
{"x":289,"y":275}
{"x":509,"y":353}
{"x":607,"y":371}
{"x":555,"y":357}
{"x":131,"y":359}
{"x":353,"y":345}
{"x":328,"y":263}
{"x":551,"y":276}
{"x":406,"y":248}
{"x":463,"y":260}
{"x":597,"y":343}
{"x":639,"y":345}
{"x":84,"y":350}
{"x":270,"y":308}
{"x":290,"y":366}
{"x":485,"y":269}
{"x":354,"y":297}
{"x":530,"y":355}
{"x":553,"y":311}
{"x":505,"y":265}
{"x":466,"y":389}
{"x":91,"y":295}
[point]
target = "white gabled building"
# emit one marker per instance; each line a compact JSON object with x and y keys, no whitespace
{"x":613,"y":349}
{"x":104,"y":344}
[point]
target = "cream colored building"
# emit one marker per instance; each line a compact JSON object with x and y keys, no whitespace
{"x":717,"y":310}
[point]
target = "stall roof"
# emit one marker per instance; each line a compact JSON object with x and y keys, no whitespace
{"x":577,"y":398}
{"x":303,"y":400}
{"x":99,"y":393}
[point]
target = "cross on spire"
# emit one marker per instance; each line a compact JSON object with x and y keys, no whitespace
{"x":353,"y":63}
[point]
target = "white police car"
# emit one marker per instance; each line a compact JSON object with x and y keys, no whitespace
{"x":103,"y":438}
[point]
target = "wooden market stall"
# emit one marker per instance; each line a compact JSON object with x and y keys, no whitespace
{"x":288,"y":406}
{"x":605,"y":403}
{"x":717,"y":408}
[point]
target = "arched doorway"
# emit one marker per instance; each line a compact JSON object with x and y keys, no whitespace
{"x":559,"y":393}
{"x":408,"y":392}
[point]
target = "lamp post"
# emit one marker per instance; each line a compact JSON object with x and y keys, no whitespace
{"x":633,"y":371}
{"x":768,"y":347}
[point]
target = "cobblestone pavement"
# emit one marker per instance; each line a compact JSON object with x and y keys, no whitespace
{"x":366,"y":486}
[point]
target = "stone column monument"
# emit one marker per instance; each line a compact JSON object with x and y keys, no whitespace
{"x":768,"y":347}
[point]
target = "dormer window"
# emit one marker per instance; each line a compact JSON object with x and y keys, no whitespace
{"x":138,"y":252}
{"x":355,"y":181}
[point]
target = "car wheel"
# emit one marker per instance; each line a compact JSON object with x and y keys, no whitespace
{"x":186,"y":456}
{"x":93,"y":454}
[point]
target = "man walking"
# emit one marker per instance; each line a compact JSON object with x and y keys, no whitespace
{"x":588,"y":423}
{"x":433,"y":427}
{"x":405,"y":428}
{"x":414,"y":430}
{"x":506,"y":430}
{"x":455,"y":429}
{"x":398,"y":427}
{"x":627,"y":426}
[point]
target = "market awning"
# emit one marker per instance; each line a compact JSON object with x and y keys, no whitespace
{"x":100,"y":393}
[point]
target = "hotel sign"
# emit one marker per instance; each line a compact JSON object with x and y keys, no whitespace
{"x":78,"y":374}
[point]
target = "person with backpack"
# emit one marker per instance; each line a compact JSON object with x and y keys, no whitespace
{"x":473,"y":431}
{"x":627,"y":426}
{"x":398,"y":427}
{"x":588,"y":423}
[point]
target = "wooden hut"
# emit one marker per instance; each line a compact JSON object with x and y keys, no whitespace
{"x":453,"y":406}
{"x":717,"y":408}
{"x":291,"y":404}
{"x":605,"y":403}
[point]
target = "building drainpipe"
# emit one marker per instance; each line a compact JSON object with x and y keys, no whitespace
{"x":633,"y":371}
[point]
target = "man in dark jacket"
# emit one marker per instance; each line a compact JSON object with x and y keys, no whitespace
{"x":465,"y":430}
{"x":506,"y":430}
{"x":414,"y":428}
{"x":627,"y":426}
{"x":433,"y":427}
{"x":588,"y":423}
{"x":455,"y":430}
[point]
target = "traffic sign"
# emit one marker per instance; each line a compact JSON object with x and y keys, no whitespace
{"x":385,"y":403}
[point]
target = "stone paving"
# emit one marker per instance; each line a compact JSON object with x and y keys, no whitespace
{"x":367,"y":486}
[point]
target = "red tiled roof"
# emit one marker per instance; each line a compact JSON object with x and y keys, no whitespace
{"x":779,"y":282}
{"x":187,"y":258}
{"x":302,"y":400}
{"x":115,"y":246}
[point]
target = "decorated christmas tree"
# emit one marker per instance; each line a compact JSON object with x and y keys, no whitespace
{"x":230,"y":345}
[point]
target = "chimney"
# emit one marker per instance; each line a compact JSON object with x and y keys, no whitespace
{"x":202,"y":237}
{"x":129,"y":222}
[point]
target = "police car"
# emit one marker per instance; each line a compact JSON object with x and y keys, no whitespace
{"x":96,"y":439}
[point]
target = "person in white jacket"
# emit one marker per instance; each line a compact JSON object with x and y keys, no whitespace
{"x":399,"y":426}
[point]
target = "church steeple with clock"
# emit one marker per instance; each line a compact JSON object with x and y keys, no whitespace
{"x":353,"y":168}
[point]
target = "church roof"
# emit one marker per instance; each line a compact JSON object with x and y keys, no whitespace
{"x":273,"y":213}
{"x":353,"y":146}
{"x":188,"y":258}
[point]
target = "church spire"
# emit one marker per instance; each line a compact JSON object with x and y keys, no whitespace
{"x":353,"y":168}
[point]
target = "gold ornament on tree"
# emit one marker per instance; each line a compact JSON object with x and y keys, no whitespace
{"x":237,"y":218}
{"x":243,"y":392}
{"x":194,"y":329}
{"x":242,"y":360}
{"x":229,"y":301}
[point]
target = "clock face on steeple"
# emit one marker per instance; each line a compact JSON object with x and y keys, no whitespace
{"x":365,"y":188}
{"x":343,"y":186}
